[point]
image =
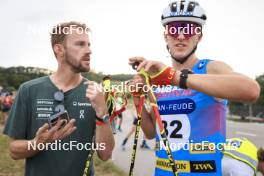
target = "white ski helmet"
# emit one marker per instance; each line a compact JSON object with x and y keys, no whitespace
{"x":184,"y":10}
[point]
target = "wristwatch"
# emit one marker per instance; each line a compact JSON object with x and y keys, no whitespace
{"x":183,"y":78}
{"x":104,"y":119}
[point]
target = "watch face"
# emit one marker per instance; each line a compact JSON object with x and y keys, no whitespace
{"x":183,"y":75}
{"x":185,"y":72}
{"x":106,"y":118}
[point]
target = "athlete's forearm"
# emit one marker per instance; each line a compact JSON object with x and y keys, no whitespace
{"x":148,"y":124}
{"x":21,"y":149}
{"x":220,"y":82}
{"x":104,"y":135}
{"x":226,"y":86}
{"x":149,"y":119}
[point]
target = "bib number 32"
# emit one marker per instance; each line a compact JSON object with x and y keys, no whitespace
{"x":177,"y":128}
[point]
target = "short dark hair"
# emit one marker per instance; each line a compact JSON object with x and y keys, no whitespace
{"x":260,"y":154}
{"x":58,"y":33}
{"x":107,"y":77}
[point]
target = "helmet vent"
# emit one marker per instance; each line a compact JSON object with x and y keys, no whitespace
{"x":191,"y":7}
{"x":182,"y":5}
{"x":173,"y":7}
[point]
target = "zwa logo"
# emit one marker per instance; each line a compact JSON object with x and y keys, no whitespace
{"x":203,"y":166}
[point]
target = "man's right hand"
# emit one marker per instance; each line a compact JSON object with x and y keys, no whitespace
{"x":46,"y":135}
{"x":150,"y":66}
{"x":19,"y":149}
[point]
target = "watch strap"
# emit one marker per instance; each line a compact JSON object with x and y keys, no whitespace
{"x":183,"y":78}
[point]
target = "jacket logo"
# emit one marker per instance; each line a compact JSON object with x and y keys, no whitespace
{"x":203,"y":166}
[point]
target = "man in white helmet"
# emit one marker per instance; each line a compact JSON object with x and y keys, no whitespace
{"x":193,"y":111}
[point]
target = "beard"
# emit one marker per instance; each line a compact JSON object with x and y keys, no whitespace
{"x":77,"y":66}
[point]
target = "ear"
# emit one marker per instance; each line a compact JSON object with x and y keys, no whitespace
{"x":58,"y":50}
{"x":165,"y":35}
{"x":200,"y":37}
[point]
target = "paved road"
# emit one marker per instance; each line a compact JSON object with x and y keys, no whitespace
{"x":252,"y":131}
{"x":145,"y":159}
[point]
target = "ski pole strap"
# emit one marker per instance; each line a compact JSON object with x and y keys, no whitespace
{"x":154,"y":106}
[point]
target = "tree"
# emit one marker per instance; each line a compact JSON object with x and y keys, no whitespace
{"x":15,"y":76}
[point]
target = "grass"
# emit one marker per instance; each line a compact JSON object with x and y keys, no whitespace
{"x":1,"y":118}
{"x":9,"y":167}
{"x":106,"y":168}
